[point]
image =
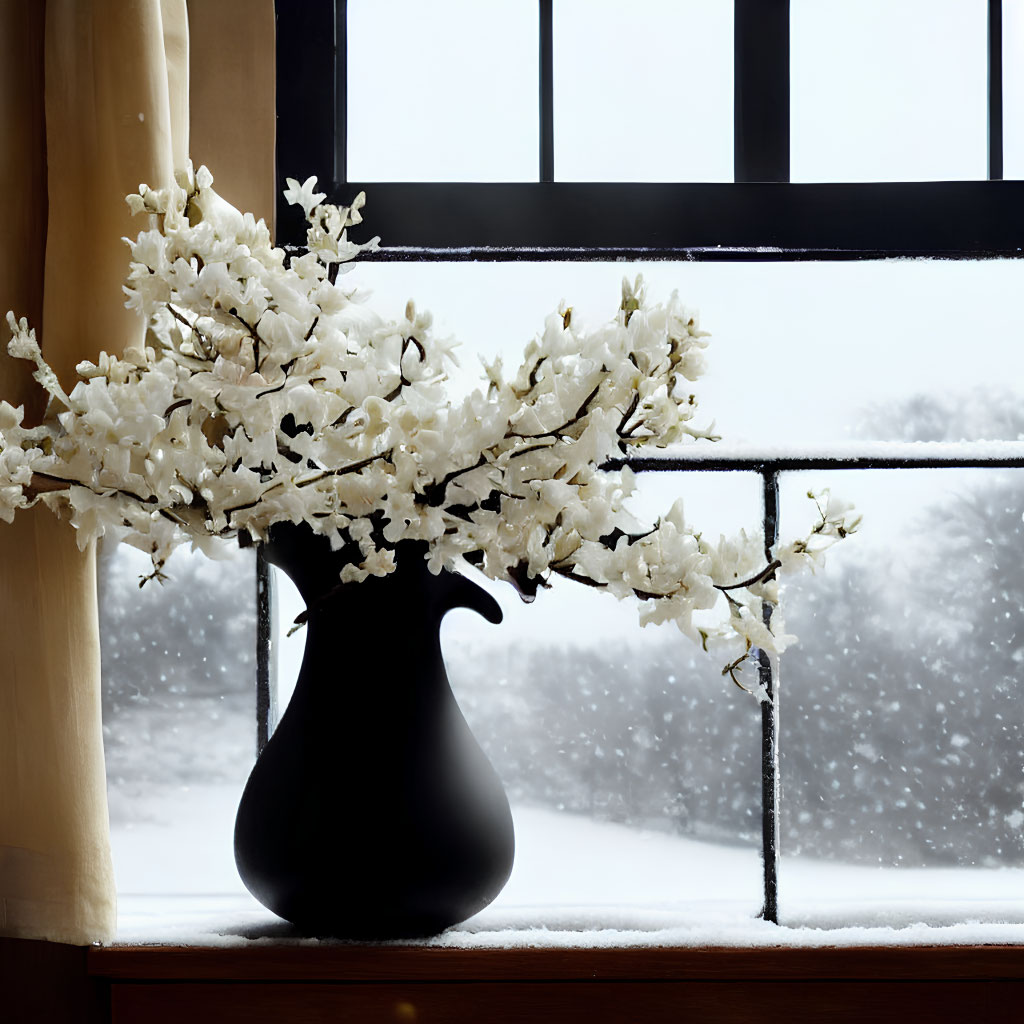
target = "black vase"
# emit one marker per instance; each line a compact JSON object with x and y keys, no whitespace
{"x":372,"y":812}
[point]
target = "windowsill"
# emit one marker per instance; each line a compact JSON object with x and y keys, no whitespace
{"x":274,"y":982}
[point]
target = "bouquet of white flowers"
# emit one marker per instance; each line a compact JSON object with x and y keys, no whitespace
{"x":267,"y":391}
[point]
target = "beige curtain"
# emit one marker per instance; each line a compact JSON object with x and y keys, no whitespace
{"x":94,"y":99}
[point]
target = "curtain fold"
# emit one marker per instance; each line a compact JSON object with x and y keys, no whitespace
{"x":94,"y":99}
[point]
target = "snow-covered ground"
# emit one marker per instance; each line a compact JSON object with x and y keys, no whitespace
{"x":576,"y":882}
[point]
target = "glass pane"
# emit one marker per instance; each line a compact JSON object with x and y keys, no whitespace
{"x":442,"y":91}
{"x":1013,"y":89}
{"x":902,"y":723}
{"x":179,"y":724}
{"x":888,"y":90}
{"x":800,"y":353}
{"x":643,"y":92}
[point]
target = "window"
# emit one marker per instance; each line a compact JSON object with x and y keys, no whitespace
{"x":818,"y":264}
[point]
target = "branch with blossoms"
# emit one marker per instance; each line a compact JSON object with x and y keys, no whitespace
{"x":268,"y":391}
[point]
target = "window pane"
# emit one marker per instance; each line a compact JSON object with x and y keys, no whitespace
{"x":643,"y":92}
{"x":901,"y":724}
{"x":179,"y":724}
{"x":442,"y":91}
{"x":888,"y":90}
{"x":799,"y":353}
{"x":1013,"y":89}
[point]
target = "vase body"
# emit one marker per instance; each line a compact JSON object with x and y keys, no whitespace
{"x":372,"y":811}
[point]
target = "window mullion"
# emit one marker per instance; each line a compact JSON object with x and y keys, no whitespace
{"x":761,"y":90}
{"x":306,"y":100}
{"x":547,"y":91}
{"x":266,"y":656}
{"x":770,"y":788}
{"x":995,"y":90}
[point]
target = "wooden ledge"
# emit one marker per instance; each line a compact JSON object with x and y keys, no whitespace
{"x":360,"y":984}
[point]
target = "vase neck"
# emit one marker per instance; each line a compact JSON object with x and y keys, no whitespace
{"x":409,"y":598}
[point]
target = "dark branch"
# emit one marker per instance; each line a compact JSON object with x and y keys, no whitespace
{"x":764,"y":573}
{"x":580,"y":413}
{"x":176,"y":405}
{"x":434,"y":493}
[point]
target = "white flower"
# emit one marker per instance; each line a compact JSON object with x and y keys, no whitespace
{"x":266,"y":392}
{"x":303,"y":195}
{"x":10,"y":416}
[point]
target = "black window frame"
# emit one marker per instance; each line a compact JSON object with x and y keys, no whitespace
{"x":760,"y":216}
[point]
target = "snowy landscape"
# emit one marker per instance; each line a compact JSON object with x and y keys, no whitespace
{"x":578,"y":882}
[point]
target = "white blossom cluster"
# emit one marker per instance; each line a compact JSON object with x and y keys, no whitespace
{"x":266,"y":391}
